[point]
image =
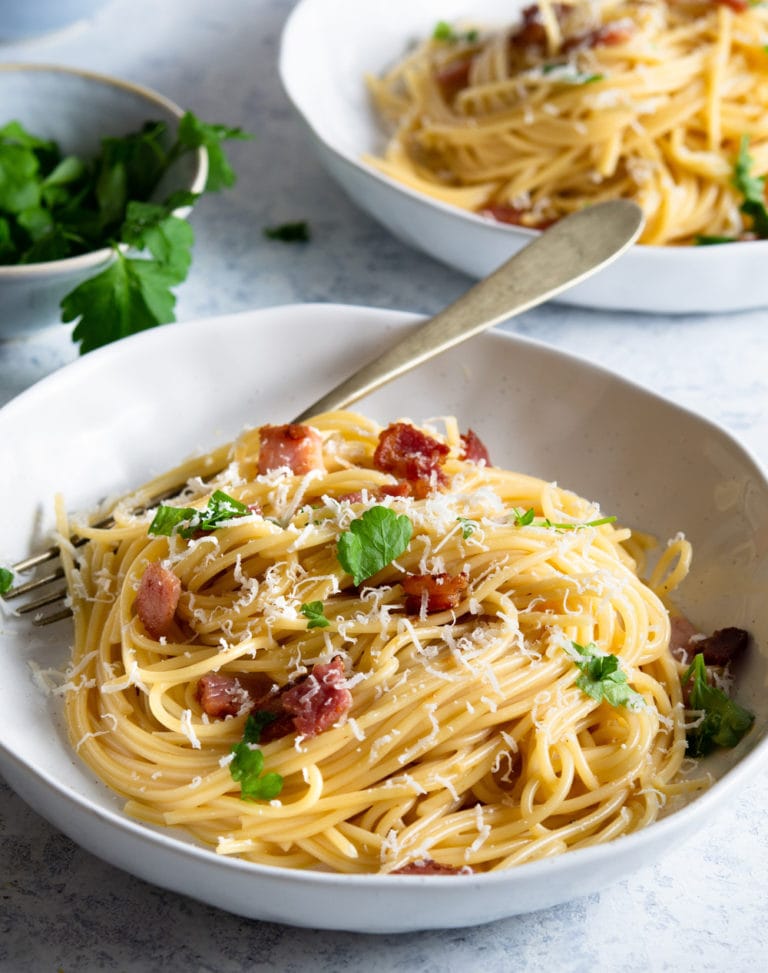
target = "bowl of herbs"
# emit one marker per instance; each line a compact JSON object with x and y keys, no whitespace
{"x":97,"y":177}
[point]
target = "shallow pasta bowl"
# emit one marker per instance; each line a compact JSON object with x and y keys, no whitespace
{"x":328,"y":48}
{"x":656,"y":466}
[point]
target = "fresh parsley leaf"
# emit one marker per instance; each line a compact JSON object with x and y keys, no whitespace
{"x":128,"y":296}
{"x":528,"y":518}
{"x":703,"y":240}
{"x":169,"y":239}
{"x":724,"y":721}
{"x":602,"y":677}
{"x":247,"y":765}
{"x":220,"y":509}
{"x":297,"y":232}
{"x":752,"y":189}
{"x":314,"y":611}
{"x":194,"y":133}
{"x":445,"y":32}
{"x":523,"y":518}
{"x":6,"y":580}
{"x":468,"y":527}
{"x":373,"y":541}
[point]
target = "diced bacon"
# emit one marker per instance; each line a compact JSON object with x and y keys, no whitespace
{"x":474,"y":449}
{"x":719,"y":649}
{"x":513,"y":215}
{"x":453,"y":77}
{"x":319,"y":700}
{"x":308,"y":705}
{"x":531,"y":32}
{"x":427,"y":866}
{"x":221,"y":695}
{"x":738,"y":6}
{"x":157,"y":599}
{"x":298,"y":447}
{"x":412,"y":455}
{"x":608,"y":35}
{"x":439,"y":592}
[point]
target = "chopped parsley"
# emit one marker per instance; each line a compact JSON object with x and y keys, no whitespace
{"x":296,"y":232}
{"x":373,"y":541}
{"x":6,"y":580}
{"x":568,"y":74}
{"x":602,"y":677}
{"x":448,"y":35}
{"x":54,"y":206}
{"x":315,"y":613}
{"x":468,"y":527}
{"x":220,"y":509}
{"x":723,"y":722}
{"x":247,"y":765}
{"x":528,"y":518}
{"x":752,"y":189}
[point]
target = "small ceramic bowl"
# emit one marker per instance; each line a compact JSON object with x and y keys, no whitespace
{"x":76,"y":109}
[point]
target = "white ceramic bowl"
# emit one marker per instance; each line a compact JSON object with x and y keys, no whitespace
{"x":655,"y":465}
{"x":76,"y":109}
{"x":328,"y":47}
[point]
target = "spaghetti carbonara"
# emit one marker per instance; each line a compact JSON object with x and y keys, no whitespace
{"x":659,"y":101}
{"x":368,"y":649}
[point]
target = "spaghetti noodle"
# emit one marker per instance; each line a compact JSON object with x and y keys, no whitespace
{"x":465,"y":731}
{"x":585,"y":101}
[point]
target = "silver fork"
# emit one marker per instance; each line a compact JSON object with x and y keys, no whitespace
{"x":563,"y":255}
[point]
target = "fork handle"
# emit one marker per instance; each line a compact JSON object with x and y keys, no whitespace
{"x":568,"y":252}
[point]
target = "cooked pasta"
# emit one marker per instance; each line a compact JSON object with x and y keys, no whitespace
{"x":464,"y":731}
{"x":578,"y":102}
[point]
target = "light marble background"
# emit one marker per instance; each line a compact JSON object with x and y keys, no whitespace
{"x":703,"y":906}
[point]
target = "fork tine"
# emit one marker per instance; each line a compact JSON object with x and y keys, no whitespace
{"x":23,"y":589}
{"x":58,"y":595}
{"x":36,"y":559}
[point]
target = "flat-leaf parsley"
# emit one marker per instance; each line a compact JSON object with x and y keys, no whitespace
{"x":373,"y":541}
{"x":602,"y":677}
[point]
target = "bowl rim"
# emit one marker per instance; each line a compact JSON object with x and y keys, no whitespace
{"x":94,"y":258}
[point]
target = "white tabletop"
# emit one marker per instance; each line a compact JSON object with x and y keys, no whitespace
{"x":703,"y":906}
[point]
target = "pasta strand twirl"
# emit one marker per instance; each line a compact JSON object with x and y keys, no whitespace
{"x":584,"y":101}
{"x":467,"y":741}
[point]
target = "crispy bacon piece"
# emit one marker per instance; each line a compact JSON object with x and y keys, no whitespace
{"x":298,"y":447}
{"x":307,"y":706}
{"x":719,"y":649}
{"x":474,"y":449}
{"x":319,"y":700}
{"x":531,"y":32}
{"x":427,"y":866}
{"x":505,"y":213}
{"x":223,"y":694}
{"x":441,"y":592}
{"x":453,"y":77}
{"x":157,"y":599}
{"x":412,"y":455}
{"x":608,"y":35}
{"x":738,"y":6}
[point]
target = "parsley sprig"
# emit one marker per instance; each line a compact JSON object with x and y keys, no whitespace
{"x":314,"y":611}
{"x":247,"y":764}
{"x":443,"y":31}
{"x":603,"y":678}
{"x":373,"y":541}
{"x":724,"y":722}
{"x":220,"y":509}
{"x":54,"y":206}
{"x":6,"y":580}
{"x":528,"y":518}
{"x":752,"y":190}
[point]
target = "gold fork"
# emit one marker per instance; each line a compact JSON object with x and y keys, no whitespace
{"x":563,"y":255}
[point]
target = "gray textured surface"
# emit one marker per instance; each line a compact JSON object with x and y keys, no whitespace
{"x":700,"y":908}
